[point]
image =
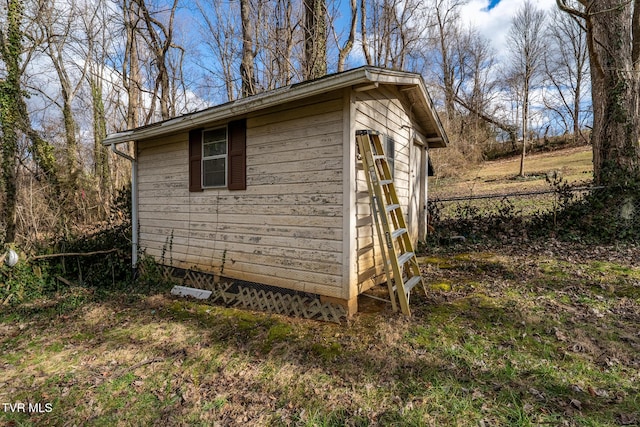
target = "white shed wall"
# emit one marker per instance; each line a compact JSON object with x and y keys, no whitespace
{"x":285,"y":229}
{"x":382,"y":110}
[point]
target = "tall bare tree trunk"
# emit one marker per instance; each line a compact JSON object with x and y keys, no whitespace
{"x":315,"y":39}
{"x":525,"y":127}
{"x":160,"y":40}
{"x":348,"y":45}
{"x":363,"y":32}
{"x":247,"y":73}
{"x":527,"y":55}
{"x":58,"y":31}
{"x":131,"y":76}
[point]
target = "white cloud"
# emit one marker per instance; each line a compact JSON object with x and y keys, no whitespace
{"x":494,"y":24}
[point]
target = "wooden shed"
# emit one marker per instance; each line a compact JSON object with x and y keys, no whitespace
{"x":269,"y":189}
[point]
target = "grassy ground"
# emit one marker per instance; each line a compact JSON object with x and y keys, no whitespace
{"x":501,"y":176}
{"x":505,"y":337}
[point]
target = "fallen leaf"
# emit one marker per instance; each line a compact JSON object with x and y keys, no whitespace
{"x":576,"y":403}
{"x":627,"y":419}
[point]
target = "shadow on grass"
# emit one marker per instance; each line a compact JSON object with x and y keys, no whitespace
{"x":150,"y":358}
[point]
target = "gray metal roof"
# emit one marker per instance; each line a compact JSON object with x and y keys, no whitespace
{"x":410,"y":84}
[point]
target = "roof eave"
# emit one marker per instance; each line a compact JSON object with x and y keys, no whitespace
{"x":287,"y":94}
{"x":242,"y":106}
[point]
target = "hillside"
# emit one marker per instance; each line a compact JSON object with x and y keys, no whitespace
{"x":501,"y":176}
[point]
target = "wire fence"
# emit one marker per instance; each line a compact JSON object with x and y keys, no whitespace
{"x":563,"y":210}
{"x":522,"y":203}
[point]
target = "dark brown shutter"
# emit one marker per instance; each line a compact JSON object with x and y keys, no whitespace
{"x":195,"y":160}
{"x":237,"y":172}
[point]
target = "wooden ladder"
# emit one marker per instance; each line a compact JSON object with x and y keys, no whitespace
{"x":400,"y":263}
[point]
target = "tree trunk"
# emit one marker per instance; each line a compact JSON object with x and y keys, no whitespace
{"x":577,"y":132}
{"x":363,"y":32}
{"x":100,"y":153}
{"x":71,"y":146}
{"x":10,"y":92}
{"x":14,"y":118}
{"x":315,"y":39}
{"x":525,"y":118}
{"x":616,"y":120}
{"x":248,"y":52}
{"x":159,"y":40}
{"x":131,"y":77}
{"x":348,"y":45}
{"x":613,"y":39}
{"x":9,"y":177}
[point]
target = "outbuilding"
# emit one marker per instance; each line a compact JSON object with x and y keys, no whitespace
{"x":268,"y":192}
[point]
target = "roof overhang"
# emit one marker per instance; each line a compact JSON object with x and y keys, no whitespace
{"x":363,"y":78}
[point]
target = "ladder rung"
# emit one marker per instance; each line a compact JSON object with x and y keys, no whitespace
{"x":392,"y":207}
{"x":386,"y":181}
{"x":379,"y":157}
{"x":408,"y":284}
{"x":399,"y":232}
{"x":402,"y":259}
{"x":411,"y":283}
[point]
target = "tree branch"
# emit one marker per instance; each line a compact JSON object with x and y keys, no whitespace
{"x":562,"y":5}
{"x":74,"y":254}
{"x":504,"y":126}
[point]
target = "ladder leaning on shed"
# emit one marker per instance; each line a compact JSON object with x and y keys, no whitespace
{"x":400,"y":263}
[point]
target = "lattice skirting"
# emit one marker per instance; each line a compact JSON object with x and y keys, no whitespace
{"x":256,"y":296}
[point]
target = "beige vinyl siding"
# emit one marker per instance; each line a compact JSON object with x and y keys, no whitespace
{"x":381,"y":110}
{"x":284,"y":230}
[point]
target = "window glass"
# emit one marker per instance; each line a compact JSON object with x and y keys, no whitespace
{"x":214,"y":142}
{"x":214,"y":172}
{"x":214,"y":157}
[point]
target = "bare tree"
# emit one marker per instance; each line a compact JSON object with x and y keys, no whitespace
{"x":363,"y":31}
{"x":287,"y":24}
{"x":220,"y":35}
{"x":461,"y":65}
{"x":159,"y":39}
{"x":526,"y":41}
{"x":277,"y":61}
{"x":15,"y":122}
{"x":447,"y":37}
{"x":477,"y":87}
{"x":96,"y":19}
{"x":60,"y":43}
{"x":249,"y":49}
{"x":567,"y":70}
{"x":391,"y":31}
{"x":613,"y":40}
{"x":131,"y":73}
{"x":345,"y":49}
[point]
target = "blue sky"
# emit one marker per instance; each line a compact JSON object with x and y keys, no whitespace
{"x":492,"y":4}
{"x":492,"y":18}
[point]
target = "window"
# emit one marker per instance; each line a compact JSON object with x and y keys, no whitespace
{"x":218,"y":157}
{"x":214,"y":158}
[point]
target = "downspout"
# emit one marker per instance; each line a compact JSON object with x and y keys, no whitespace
{"x":134,"y":204}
